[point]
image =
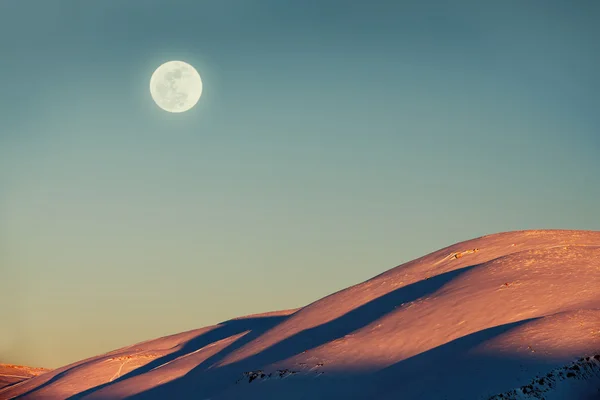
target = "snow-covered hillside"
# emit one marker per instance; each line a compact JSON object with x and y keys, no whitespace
{"x":11,"y":374}
{"x":578,"y":380}
{"x":497,"y":317}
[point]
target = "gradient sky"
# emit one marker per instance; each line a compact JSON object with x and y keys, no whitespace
{"x":333,"y":140}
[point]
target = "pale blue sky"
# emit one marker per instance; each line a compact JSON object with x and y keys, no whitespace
{"x":333,"y":141}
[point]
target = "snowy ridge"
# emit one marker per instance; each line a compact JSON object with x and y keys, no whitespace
{"x":469,"y":321}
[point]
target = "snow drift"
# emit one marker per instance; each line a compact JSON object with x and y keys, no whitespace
{"x":501,"y":316}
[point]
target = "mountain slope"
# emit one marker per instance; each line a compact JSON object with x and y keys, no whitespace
{"x":472,"y":320}
{"x":12,"y":374}
{"x":578,"y":380}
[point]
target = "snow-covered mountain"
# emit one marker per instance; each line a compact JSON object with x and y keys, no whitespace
{"x":11,"y":374}
{"x":505,"y":316}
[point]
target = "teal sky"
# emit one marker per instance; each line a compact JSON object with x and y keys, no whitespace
{"x":333,"y":140}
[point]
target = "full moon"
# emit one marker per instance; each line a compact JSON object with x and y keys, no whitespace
{"x":175,"y":86}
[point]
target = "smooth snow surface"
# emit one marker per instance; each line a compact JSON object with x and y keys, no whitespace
{"x":483,"y":319}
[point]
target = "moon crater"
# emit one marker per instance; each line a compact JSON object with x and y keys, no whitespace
{"x":176,"y":86}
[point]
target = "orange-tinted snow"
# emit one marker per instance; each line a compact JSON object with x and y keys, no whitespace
{"x":12,"y":374}
{"x":471,"y":320}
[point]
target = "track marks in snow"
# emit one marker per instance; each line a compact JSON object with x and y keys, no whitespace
{"x":15,"y":376}
{"x":128,"y":358}
{"x":118,"y":373}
